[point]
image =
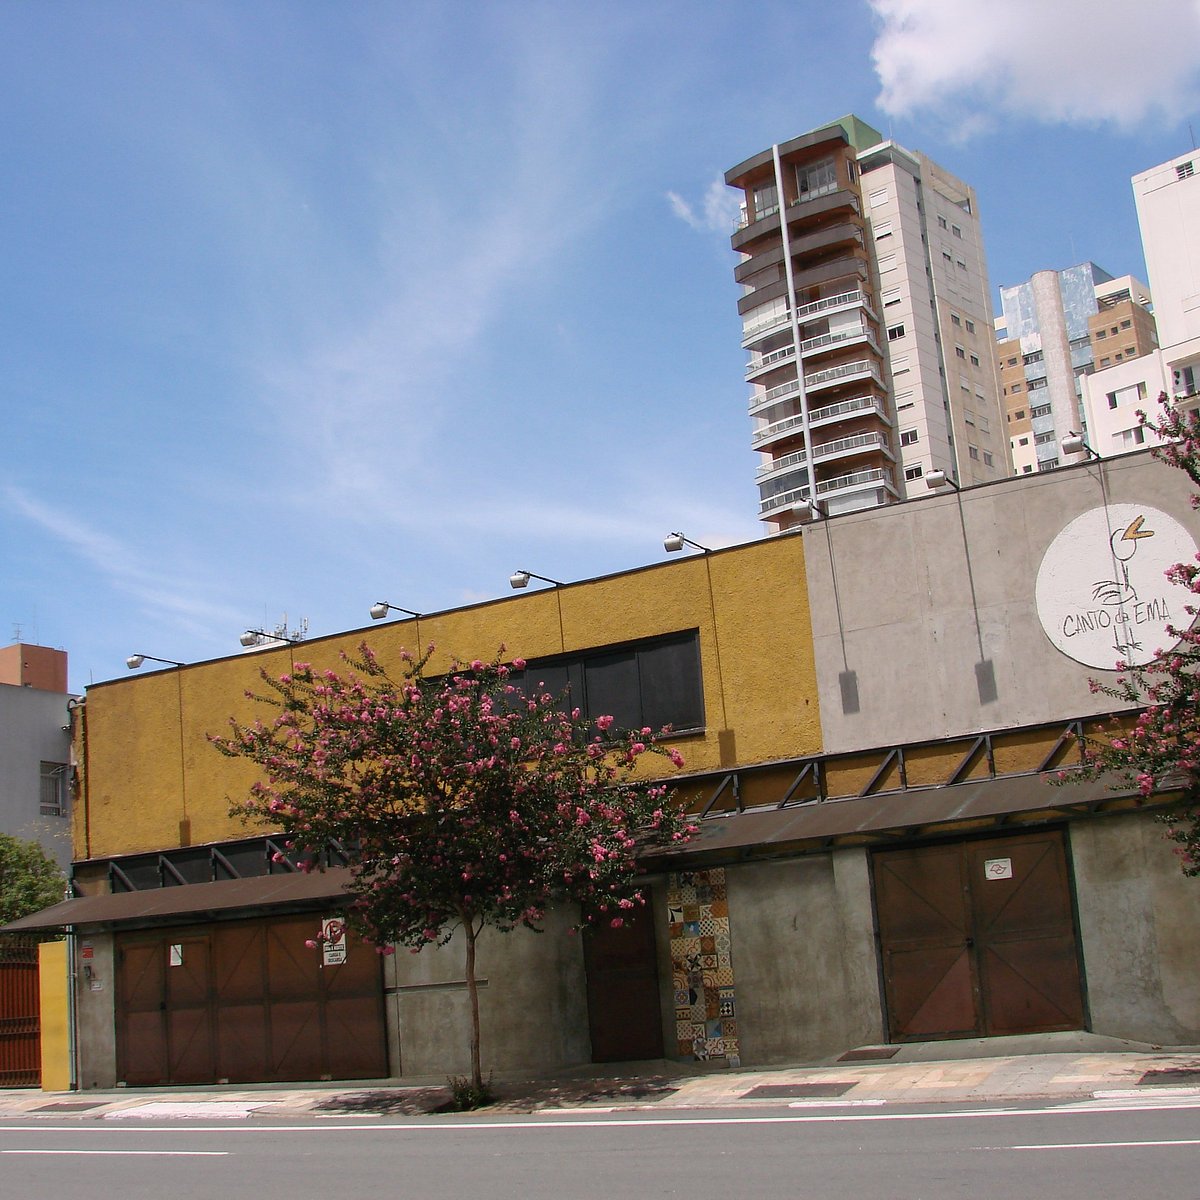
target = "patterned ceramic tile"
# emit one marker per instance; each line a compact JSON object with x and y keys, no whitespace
{"x":705,"y":1008}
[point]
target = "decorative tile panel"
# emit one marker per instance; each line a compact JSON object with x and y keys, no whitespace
{"x":702,"y":965}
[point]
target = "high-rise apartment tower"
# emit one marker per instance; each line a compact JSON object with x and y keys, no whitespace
{"x":866,"y":315}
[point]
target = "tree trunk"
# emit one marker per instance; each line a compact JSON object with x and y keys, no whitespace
{"x":473,"y":997}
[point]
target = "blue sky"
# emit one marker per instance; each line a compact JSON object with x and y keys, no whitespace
{"x":309,"y":305}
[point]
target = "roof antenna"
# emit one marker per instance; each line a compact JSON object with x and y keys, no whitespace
{"x":1192,"y":135}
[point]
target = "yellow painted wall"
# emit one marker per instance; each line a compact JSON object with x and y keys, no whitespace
{"x":152,"y":781}
{"x":54,"y":981}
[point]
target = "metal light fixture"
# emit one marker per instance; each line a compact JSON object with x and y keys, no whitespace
{"x":938,"y":478}
{"x":520,"y":579}
{"x":809,"y":508}
{"x":381,"y":610}
{"x":1074,"y":443}
{"x":676,"y":541}
{"x":135,"y":660}
{"x":256,"y":637}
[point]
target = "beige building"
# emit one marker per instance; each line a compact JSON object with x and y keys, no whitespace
{"x":866,"y":315}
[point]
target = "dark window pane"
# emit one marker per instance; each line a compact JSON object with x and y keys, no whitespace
{"x":612,"y":688}
{"x":670,"y":685}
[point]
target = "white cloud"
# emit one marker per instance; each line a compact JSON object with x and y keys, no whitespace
{"x":716,"y":212}
{"x":1088,"y":62}
{"x":158,"y":593}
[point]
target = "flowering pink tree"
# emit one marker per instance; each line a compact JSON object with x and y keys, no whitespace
{"x":1160,"y":748}
{"x":469,"y":801}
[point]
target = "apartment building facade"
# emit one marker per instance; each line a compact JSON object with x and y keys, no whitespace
{"x":1168,"y":208}
{"x":1054,"y":329}
{"x":866,"y":316}
{"x":35,"y":748}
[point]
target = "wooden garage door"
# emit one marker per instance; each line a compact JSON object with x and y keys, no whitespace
{"x":978,"y":938}
{"x":246,"y":1002}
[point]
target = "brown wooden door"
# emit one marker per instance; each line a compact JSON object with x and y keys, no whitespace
{"x":189,"y":1017}
{"x":978,"y":938}
{"x":141,"y":1012}
{"x":624,"y":1013}
{"x":240,"y":980}
{"x":246,"y":1002}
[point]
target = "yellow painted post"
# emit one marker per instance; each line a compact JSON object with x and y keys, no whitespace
{"x":54,"y":980}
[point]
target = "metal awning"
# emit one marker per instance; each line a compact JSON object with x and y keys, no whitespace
{"x":197,"y":900}
{"x":916,"y":810}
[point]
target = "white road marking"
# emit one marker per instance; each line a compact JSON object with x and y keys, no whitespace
{"x":1106,"y":1145}
{"x":128,"y":1153}
{"x":467,"y":1124}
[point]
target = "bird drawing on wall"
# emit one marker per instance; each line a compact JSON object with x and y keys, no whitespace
{"x":1119,"y":592}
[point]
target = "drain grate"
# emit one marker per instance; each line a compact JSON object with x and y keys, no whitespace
{"x":797,"y":1091}
{"x":869,"y":1053}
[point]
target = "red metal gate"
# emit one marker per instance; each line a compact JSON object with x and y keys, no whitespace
{"x":978,"y":938}
{"x":20,"y":1022}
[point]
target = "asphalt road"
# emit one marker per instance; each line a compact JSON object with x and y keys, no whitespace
{"x":1097,"y":1150}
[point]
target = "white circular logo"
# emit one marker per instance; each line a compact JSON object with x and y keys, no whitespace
{"x":1102,"y":595}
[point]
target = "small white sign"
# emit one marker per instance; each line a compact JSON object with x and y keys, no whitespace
{"x":176,"y":959}
{"x":97,"y":985}
{"x":333,"y":944}
{"x":998,"y":868}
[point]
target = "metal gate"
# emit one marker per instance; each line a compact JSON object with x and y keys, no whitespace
{"x":624,"y":1014}
{"x":20,"y":1021}
{"x":246,"y":1002}
{"x":978,"y":938}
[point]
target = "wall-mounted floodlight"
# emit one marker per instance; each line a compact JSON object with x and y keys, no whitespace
{"x":381,"y":610}
{"x":938,"y":478}
{"x":257,"y":637}
{"x":809,"y":508}
{"x":135,"y":660}
{"x":1074,"y":443}
{"x":520,"y":579}
{"x":676,"y":541}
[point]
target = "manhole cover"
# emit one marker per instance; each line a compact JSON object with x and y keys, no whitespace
{"x":866,"y":1053}
{"x":796,"y":1091}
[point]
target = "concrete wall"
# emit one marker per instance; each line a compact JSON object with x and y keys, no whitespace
{"x":95,"y":983}
{"x":1138,"y":917}
{"x":804,"y":957}
{"x":905,"y":597}
{"x":32,"y":732}
{"x":532,"y":1011}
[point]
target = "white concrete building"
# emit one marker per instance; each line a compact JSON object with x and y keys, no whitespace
{"x":1168,"y":208}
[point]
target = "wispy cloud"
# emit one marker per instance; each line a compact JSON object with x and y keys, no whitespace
{"x":156,"y":592}
{"x":715,"y":212}
{"x":1087,"y":62}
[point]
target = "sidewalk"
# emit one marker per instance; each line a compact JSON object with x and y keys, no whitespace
{"x":1061,"y":1067}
